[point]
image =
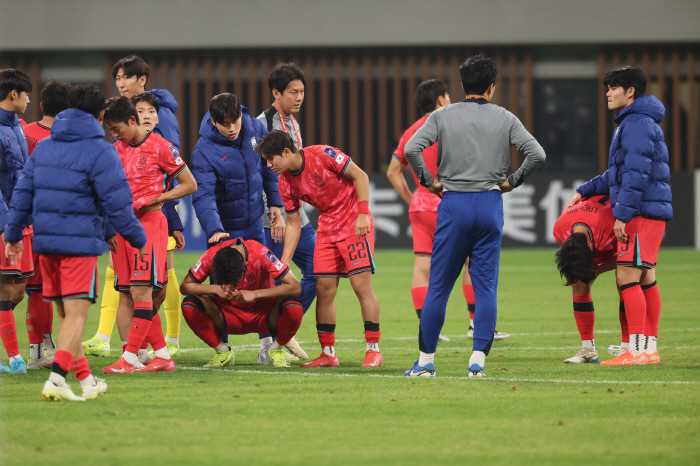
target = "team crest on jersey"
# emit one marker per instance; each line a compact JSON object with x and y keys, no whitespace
{"x":197,"y":265}
{"x":141,"y":165}
{"x":275,"y":261}
{"x":178,"y":161}
{"x":250,"y":278}
{"x":319,"y":181}
{"x":340,"y":158}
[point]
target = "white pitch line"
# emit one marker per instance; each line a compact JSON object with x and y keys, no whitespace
{"x":497,"y":379}
{"x":444,"y":350}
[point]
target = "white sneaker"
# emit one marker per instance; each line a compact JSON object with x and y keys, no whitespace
{"x":441,"y":337}
{"x":500,"y":335}
{"x":53,"y":392}
{"x":41,"y":363}
{"x":263,"y":358}
{"x":583,"y":356}
{"x":295,"y":349}
{"x":91,"y":392}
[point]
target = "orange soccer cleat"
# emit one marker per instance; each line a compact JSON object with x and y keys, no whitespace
{"x":626,"y":359}
{"x":373,"y":359}
{"x":120,"y":367}
{"x":653,"y":358}
{"x":157,"y":365}
{"x":323,"y":361}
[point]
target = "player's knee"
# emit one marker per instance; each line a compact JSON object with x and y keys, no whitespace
{"x":292,"y":308}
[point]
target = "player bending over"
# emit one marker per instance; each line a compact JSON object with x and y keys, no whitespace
{"x":244,"y":299}
{"x":149,"y":162}
{"x":328,"y":180}
{"x":70,"y":180}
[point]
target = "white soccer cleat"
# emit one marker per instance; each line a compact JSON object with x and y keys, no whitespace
{"x":91,"y":392}
{"x":500,"y":335}
{"x":441,"y":337}
{"x":476,"y":370}
{"x":296,"y":350}
{"x":41,"y":363}
{"x":616,"y":350}
{"x":584,"y":355}
{"x":263,"y":357}
{"x":53,"y":392}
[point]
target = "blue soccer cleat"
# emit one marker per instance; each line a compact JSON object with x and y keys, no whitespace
{"x":18,"y":366}
{"x":476,"y":370}
{"x":421,"y":371}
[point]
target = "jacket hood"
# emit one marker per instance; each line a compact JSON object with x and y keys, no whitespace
{"x":8,"y":118}
{"x":164,"y":98}
{"x":645,"y":105}
{"x":76,"y":125}
{"x":208,"y":131}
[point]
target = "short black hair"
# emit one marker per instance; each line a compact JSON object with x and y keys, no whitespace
{"x":120,"y":109}
{"x":283,"y":74}
{"x":477,"y":74}
{"x":14,"y":80}
{"x":54,"y":97}
{"x":133,"y":65}
{"x":428,"y":93}
{"x":228,"y":266}
{"x":575,"y":260}
{"x":224,"y":106}
{"x":88,"y":98}
{"x":274,"y":143}
{"x":626,"y":77}
{"x":148,"y":98}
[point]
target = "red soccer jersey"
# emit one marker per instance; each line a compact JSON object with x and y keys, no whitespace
{"x":321,"y":182}
{"x":596,"y":215}
{"x":149,"y":165}
{"x":262,"y":270}
{"x":35,"y":132}
{"x":423,"y":200}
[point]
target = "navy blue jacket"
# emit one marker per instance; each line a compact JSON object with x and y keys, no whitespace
{"x":169,"y":128}
{"x":13,"y":155}
{"x":231,"y":177}
{"x":638,"y":175}
{"x":71,"y":181}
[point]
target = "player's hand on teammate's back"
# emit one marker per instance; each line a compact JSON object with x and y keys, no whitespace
{"x":436,"y":188}
{"x":506,"y":187}
{"x":619,"y":229}
{"x":179,"y":240}
{"x":216,"y":237}
{"x":362,"y":225}
{"x":112,"y":243}
{"x":277,"y":225}
{"x":13,"y":251}
{"x":574,"y":200}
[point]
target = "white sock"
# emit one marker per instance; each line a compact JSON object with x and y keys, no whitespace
{"x":590,"y":344}
{"x":624,"y":346}
{"x":478,"y":357}
{"x":329,"y":350}
{"x":265,"y":342}
{"x":144,"y":356}
{"x":174,"y":340}
{"x":57,"y":379}
{"x":471,"y":323}
{"x":636,"y":343}
{"x":131,"y":358}
{"x":274,"y":345}
{"x":103,"y":337}
{"x":222,"y":347}
{"x":16,"y":358}
{"x":124,"y":344}
{"x":36,"y":351}
{"x":163,"y":353}
{"x":650,"y":344}
{"x":425,"y":358}
{"x":88,"y":381}
{"x":48,"y":341}
{"x":372,"y":347}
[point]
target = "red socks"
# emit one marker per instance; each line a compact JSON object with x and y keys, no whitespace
{"x":623,"y":323}
{"x":289,"y":322}
{"x":635,"y":307}
{"x":653,"y":301}
{"x":63,"y":360}
{"x":8,"y":329}
{"x":199,"y":322}
{"x":326,"y":334}
{"x":81,"y":368}
{"x":584,"y":314}
{"x":155,"y":334}
{"x":140,"y":325}
{"x":418,"y":294}
{"x":468,"y":291}
{"x":38,"y":314}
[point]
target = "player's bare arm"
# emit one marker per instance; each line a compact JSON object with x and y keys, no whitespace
{"x":290,"y":287}
{"x":191,"y":288}
{"x":219,"y":236}
{"x":398,"y":181}
{"x":187,"y":186}
{"x":361,"y":180}
{"x":277,"y":224}
{"x":291,"y":236}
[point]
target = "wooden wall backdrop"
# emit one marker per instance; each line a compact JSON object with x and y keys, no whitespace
{"x":361,"y":100}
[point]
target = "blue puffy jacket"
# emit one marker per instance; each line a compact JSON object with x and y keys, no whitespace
{"x":638,"y":175}
{"x":231,"y":177}
{"x":70,"y":182}
{"x":13,"y":155}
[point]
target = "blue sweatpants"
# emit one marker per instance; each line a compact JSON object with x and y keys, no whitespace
{"x":468,"y":225}
{"x":303,"y":258}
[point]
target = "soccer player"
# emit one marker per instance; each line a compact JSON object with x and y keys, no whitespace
{"x":234,"y":184}
{"x":149,"y":162}
{"x":54,"y":99}
{"x":71,"y":181}
{"x":474,"y":138}
{"x":131,"y":76}
{"x":423,"y":205}
{"x":287,"y":84}
{"x":637,"y":181}
{"x":243,"y":300}
{"x":15,"y":87}
{"x":327,"y":179}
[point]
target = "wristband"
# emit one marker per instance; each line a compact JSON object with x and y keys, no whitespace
{"x":363,"y":207}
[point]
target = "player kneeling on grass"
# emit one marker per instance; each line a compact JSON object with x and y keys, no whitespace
{"x":68,"y":185}
{"x":328,"y":180}
{"x":244,"y":300}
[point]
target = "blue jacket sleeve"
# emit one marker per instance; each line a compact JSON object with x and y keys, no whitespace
{"x":204,"y":199}
{"x":114,"y":195}
{"x":21,"y":204}
{"x":638,"y":144}
{"x":3,"y":212}
{"x":597,"y":186}
{"x":170,"y":211}
{"x":270,"y":178}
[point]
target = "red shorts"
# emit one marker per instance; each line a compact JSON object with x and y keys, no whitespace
{"x":642,"y":247}
{"x":151,"y":270}
{"x":35,"y":281}
{"x":238,"y":321}
{"x":423,"y":226}
{"x":345,"y":257}
{"x":25,"y":266}
{"x":68,"y":277}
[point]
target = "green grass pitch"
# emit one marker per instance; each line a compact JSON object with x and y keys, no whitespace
{"x":532,"y":408}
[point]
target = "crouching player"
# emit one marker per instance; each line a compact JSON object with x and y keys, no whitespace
{"x":70,"y":180}
{"x":328,"y":180}
{"x":244,"y":300}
